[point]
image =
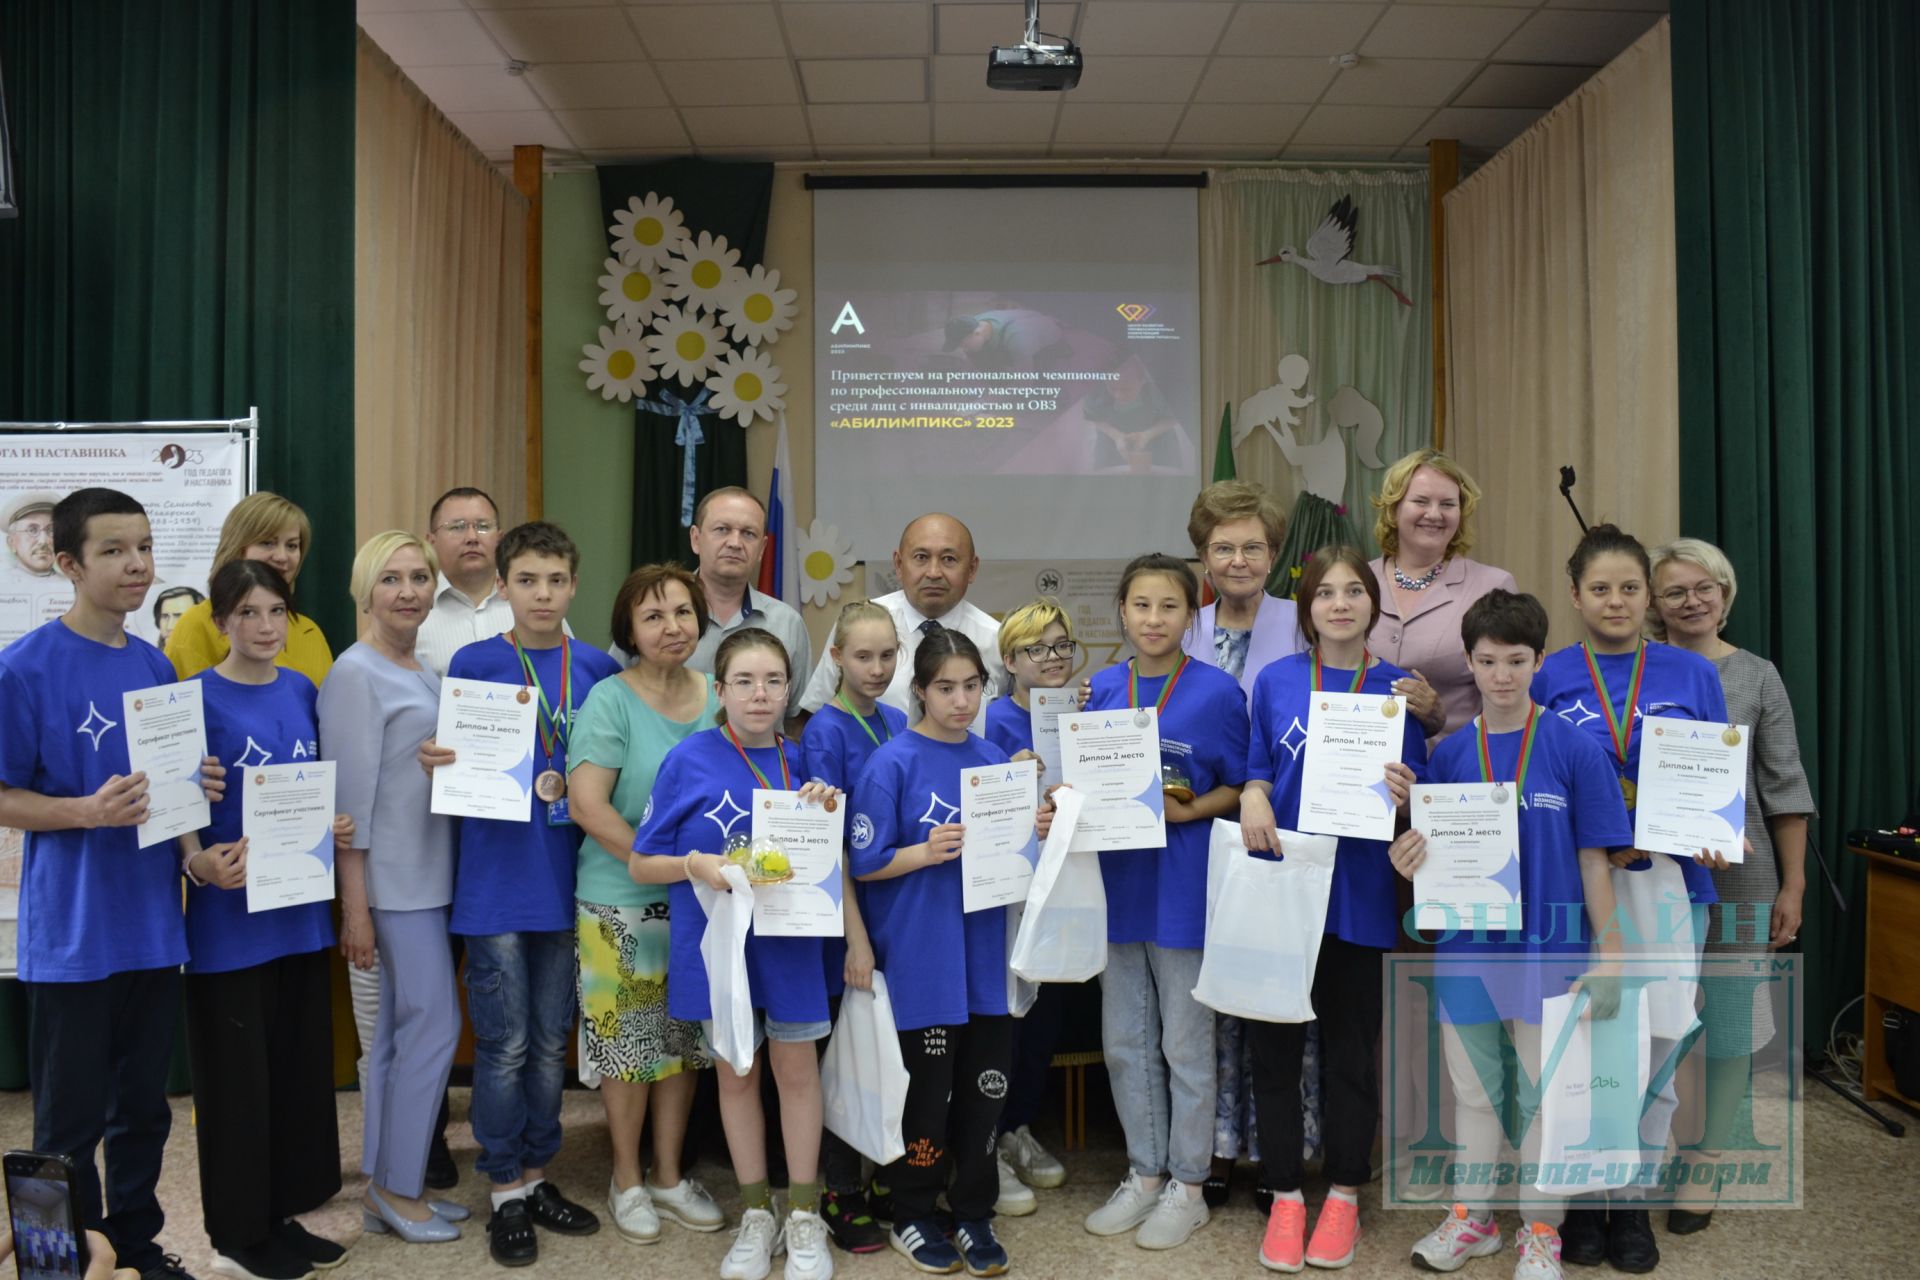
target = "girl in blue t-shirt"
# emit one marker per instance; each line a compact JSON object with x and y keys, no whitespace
{"x":836,"y":744}
{"x":946,"y":968}
{"x":701,"y":798}
{"x":1605,"y":686}
{"x":1490,"y":982}
{"x":258,"y":990}
{"x":1158,"y":1039}
{"x":1338,"y":603}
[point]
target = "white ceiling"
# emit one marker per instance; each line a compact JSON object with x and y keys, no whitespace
{"x":904,"y":79}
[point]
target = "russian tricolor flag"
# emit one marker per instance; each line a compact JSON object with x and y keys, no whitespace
{"x":780,"y":561}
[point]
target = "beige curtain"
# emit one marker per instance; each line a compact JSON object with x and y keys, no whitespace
{"x":439,"y":311}
{"x":1561,"y":326}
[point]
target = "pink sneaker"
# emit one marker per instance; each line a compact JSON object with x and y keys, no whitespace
{"x":1458,"y":1238}
{"x":1285,"y":1243}
{"x":1334,"y":1234}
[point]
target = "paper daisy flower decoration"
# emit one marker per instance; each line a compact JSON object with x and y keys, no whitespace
{"x":630,"y":294}
{"x":761,"y":310}
{"x":648,"y":231}
{"x":685,"y":345}
{"x":826,"y":562}
{"x":620,"y":366}
{"x":705,"y":275}
{"x":747,"y":385}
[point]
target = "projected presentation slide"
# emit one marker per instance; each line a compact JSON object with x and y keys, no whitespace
{"x":1026,"y":359}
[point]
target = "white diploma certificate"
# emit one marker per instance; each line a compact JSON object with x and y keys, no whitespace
{"x":1351,"y":738}
{"x":1112,"y":758}
{"x":167,"y":740}
{"x":1692,"y":790}
{"x":811,"y":835}
{"x":491,"y":730}
{"x":287,"y":817}
{"x":1470,"y":880}
{"x":1044,"y":707}
{"x":997,"y":807}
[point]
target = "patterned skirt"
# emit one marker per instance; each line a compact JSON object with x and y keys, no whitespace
{"x":626,"y":1032}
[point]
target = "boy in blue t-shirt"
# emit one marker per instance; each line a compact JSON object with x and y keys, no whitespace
{"x":101,"y":933}
{"x":513,"y":902}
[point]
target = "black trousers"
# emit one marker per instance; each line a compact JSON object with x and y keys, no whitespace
{"x":1034,"y":1037}
{"x":99,"y":1054}
{"x":1347,"y":1002}
{"x":261,"y":1041}
{"x":952,"y":1120}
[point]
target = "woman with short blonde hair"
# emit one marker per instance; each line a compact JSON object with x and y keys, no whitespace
{"x":265,"y":527}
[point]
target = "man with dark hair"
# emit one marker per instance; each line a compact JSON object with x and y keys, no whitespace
{"x":101,"y":934}
{"x":168,"y":607}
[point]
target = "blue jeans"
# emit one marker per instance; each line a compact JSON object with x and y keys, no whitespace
{"x":1159,"y":1045}
{"x":520,"y":995}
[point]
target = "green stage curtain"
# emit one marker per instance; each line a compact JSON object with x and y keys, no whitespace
{"x":1798,"y":233}
{"x":731,"y":200}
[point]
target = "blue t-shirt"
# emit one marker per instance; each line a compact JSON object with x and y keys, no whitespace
{"x":942,"y":963}
{"x":1361,"y":908}
{"x":517,"y":877}
{"x":92,"y":902}
{"x":1010,"y":726}
{"x":1160,"y":895}
{"x":1572,"y":802}
{"x":252,"y":724}
{"x":836,"y":749}
{"x":1675,"y":683}
{"x":700,"y":797}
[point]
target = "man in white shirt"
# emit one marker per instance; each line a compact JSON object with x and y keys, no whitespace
{"x":463,"y":528}
{"x":935,"y":563}
{"x":729,"y":535}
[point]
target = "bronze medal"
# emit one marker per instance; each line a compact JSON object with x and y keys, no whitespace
{"x":551,"y":785}
{"x":1628,"y":791}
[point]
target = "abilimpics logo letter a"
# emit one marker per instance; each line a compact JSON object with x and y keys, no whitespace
{"x":848,"y":316}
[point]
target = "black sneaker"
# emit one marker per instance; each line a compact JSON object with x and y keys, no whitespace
{"x":557,"y":1213}
{"x":849,"y":1223}
{"x":511,"y":1238}
{"x":168,"y":1268}
{"x":880,"y":1204}
{"x":1263,"y":1199}
{"x":442,"y":1172}
{"x":1686,"y":1222}
{"x":268,"y":1260}
{"x":1630,"y":1244}
{"x":1583,"y":1237}
{"x":323,"y":1253}
{"x":1214,"y":1189}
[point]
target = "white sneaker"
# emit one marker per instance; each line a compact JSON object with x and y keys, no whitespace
{"x":1015,"y":1201}
{"x":1176,"y":1215}
{"x":1539,"y":1256}
{"x":688,"y":1204}
{"x":1448,"y":1246}
{"x":808,"y":1257}
{"x":751,"y":1257}
{"x":1036,"y":1167}
{"x":1125,"y":1209}
{"x":633,"y":1214}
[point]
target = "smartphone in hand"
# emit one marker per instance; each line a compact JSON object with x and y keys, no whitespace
{"x":48,"y":1240}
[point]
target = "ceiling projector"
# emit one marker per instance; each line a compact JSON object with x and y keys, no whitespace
{"x":1032,"y":65}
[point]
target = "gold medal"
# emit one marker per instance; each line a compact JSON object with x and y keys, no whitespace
{"x":1731,"y":737}
{"x":551,"y":785}
{"x":1390,"y":708}
{"x":1628,"y":790}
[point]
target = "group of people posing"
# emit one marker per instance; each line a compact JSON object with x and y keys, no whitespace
{"x":648,"y":755}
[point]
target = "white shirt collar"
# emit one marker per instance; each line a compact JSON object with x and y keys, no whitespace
{"x":448,"y":589}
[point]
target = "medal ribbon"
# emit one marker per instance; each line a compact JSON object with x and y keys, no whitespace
{"x":555,"y":745}
{"x":1166,"y":694}
{"x":779,"y":745}
{"x":861,"y":720}
{"x":1620,"y":726}
{"x":1526,"y":749}
{"x":1358,"y":676}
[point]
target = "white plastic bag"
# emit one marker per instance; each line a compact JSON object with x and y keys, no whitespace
{"x":723,"y":948}
{"x":1063,"y":932}
{"x":863,"y":1078}
{"x":1020,"y":993}
{"x":1589,"y":1107}
{"x":1661,"y":935}
{"x":1264,"y":922}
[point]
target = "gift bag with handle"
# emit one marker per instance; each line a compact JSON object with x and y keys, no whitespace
{"x":1020,"y":993}
{"x":863,"y":1077}
{"x":723,"y":948}
{"x":1593,"y":1078}
{"x":1063,"y":932}
{"x":1264,"y":922}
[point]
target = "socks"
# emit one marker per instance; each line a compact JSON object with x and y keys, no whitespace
{"x":757,"y":1195}
{"x":803,"y":1195}
{"x":1294,"y":1196}
{"x":1346,"y":1197}
{"x":511,"y":1193}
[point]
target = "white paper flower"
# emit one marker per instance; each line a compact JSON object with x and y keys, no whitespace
{"x":704,"y":276}
{"x":826,"y":562}
{"x":619,"y":366}
{"x":647,"y":231}
{"x":761,"y":310}
{"x":685,"y":345}
{"x":630,"y":294}
{"x":747,"y":385}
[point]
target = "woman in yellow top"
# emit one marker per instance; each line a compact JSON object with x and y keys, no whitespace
{"x":266,"y":527}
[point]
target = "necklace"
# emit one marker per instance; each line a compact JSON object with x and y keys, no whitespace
{"x":1420,"y":583}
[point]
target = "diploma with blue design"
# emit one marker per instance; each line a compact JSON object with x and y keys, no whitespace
{"x":1112,"y":758}
{"x":491,"y":728}
{"x":1470,"y":881}
{"x":167,"y":741}
{"x":287,"y":817}
{"x":1351,"y":739}
{"x":1692,"y":789}
{"x":809,"y":837}
{"x":997,"y":807}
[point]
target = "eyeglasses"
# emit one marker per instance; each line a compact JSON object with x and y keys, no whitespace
{"x":744,"y":686}
{"x":1706,"y":592}
{"x":32,"y":528}
{"x":1251,"y":552}
{"x":1039,"y":652}
{"x":459,"y":528}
